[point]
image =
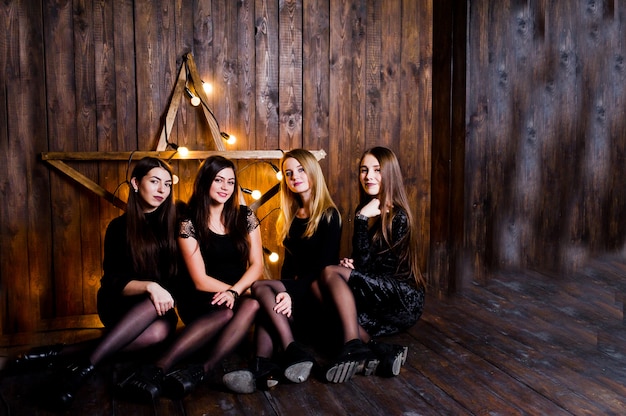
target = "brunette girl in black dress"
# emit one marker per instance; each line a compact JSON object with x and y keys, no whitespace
{"x":380,"y":290}
{"x":135,"y":303}
{"x":220,"y":244}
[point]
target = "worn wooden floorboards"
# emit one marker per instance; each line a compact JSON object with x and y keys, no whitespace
{"x":525,"y":343}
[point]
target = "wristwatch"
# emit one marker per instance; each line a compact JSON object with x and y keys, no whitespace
{"x":360,"y":216}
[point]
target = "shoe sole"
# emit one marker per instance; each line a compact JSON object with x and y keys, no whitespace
{"x":299,"y":372}
{"x":399,"y":361}
{"x":342,"y":372}
{"x":241,"y":381}
{"x":373,"y":366}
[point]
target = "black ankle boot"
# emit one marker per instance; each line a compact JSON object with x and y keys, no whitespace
{"x":391,"y":358}
{"x":181,"y":382}
{"x":350,"y":360}
{"x":66,"y":383}
{"x":143,"y":385}
{"x":263,"y":374}
{"x":266,"y":372}
{"x":297,"y":363}
{"x":37,"y":358}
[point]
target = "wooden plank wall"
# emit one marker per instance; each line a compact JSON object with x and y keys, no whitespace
{"x":545,"y":146}
{"x":338,"y":75}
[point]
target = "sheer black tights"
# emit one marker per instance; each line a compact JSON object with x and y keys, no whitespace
{"x":265,"y":292}
{"x":139,"y":328}
{"x":232,"y":324}
{"x":334,"y":283}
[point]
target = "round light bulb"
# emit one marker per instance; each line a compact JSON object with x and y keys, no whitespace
{"x":175,"y":179}
{"x":273,"y":257}
{"x":279,"y":175}
{"x":195,"y":101}
{"x":256,"y":194}
{"x":183,"y":151}
{"x":208,"y":88}
{"x":231,"y":139}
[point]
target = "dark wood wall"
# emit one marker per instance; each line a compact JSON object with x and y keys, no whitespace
{"x":80,"y":76}
{"x":546,"y":134}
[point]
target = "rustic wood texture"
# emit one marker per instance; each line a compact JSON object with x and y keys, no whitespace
{"x":98,"y":77}
{"x":545,"y":143}
{"x":523,"y":343}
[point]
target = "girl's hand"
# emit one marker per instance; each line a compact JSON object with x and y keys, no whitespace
{"x":161,"y":298}
{"x":283,"y":304}
{"x":371,"y":209}
{"x":347,"y":263}
{"x":224,"y":298}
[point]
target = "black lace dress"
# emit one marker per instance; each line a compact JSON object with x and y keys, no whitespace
{"x":222,"y":261}
{"x":386,"y":294}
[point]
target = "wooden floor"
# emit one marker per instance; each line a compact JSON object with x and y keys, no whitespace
{"x":526,"y":343}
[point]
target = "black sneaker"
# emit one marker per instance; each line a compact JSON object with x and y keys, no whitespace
{"x":183,"y":381}
{"x":390,"y":357}
{"x":143,"y":385}
{"x":263,"y":375}
{"x":352,"y":358}
{"x":297,"y":363}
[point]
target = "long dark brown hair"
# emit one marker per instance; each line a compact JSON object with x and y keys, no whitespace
{"x":233,"y":219}
{"x":392,"y":196}
{"x":151,"y":246}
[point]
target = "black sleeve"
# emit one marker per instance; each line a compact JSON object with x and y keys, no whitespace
{"x":117,"y":265}
{"x":330,"y":240}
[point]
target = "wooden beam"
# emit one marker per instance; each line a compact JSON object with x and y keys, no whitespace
{"x":170,"y":154}
{"x":208,"y":113}
{"x":88,"y":183}
{"x":172,"y":109}
{"x":57,"y":159}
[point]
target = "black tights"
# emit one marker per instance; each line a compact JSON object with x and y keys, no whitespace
{"x":141,"y":327}
{"x":265,"y":292}
{"x":232,"y":326}
{"x":334,"y":283}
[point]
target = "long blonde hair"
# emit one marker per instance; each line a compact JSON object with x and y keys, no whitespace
{"x":320,"y":203}
{"x":393,"y":195}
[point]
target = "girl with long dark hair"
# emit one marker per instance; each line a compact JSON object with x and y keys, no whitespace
{"x":220,"y":245}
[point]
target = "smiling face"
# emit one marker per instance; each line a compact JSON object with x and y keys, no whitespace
{"x":223,"y":186}
{"x":295,"y":177}
{"x":369,"y":175}
{"x":153,"y":189}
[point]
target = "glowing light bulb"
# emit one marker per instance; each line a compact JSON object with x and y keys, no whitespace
{"x":231,"y":139}
{"x":208,"y":88}
{"x":256,"y":194}
{"x":279,"y":175}
{"x":195,"y":100}
{"x":273,"y":257}
{"x":175,"y":179}
{"x":183,"y":151}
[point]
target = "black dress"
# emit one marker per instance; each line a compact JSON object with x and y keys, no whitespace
{"x":305,"y":258}
{"x":222,"y":261}
{"x":386,"y":294}
{"x":119,"y":271}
